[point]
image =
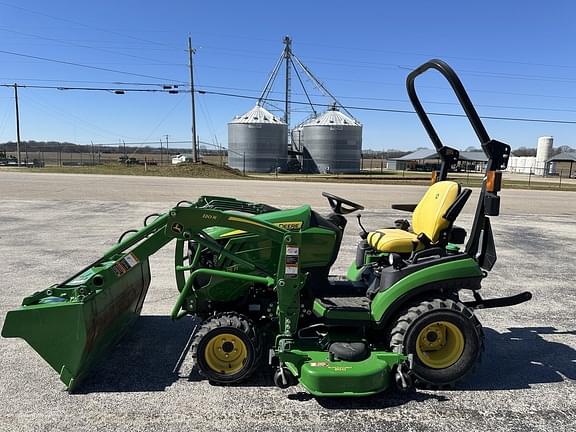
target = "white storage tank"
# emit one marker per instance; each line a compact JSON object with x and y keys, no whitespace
{"x":543,"y":153}
{"x":257,"y":141}
{"x":553,"y":168}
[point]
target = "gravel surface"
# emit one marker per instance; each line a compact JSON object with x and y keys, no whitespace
{"x":52,"y":225}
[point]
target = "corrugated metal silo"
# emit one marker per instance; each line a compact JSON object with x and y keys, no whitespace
{"x":296,"y":135}
{"x":332,"y":143}
{"x":257,"y":141}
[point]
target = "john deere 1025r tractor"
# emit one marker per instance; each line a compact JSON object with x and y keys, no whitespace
{"x":258,"y":280}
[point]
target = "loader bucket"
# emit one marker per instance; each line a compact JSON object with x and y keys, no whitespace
{"x":74,"y":324}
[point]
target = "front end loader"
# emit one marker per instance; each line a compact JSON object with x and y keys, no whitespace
{"x":258,"y":279}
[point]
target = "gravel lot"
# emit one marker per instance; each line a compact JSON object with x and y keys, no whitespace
{"x":52,"y":225}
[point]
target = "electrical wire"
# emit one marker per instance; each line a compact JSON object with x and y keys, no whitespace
{"x":332,"y":79}
{"x":87,"y":66}
{"x":155,"y":61}
{"x":58,"y":18}
{"x":359,"y":108}
{"x":367,"y":98}
{"x":163,"y":119}
{"x":54,"y":112}
{"x":390,"y":110}
{"x":269,"y":100}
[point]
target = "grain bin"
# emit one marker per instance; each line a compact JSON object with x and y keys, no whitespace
{"x":257,"y":141}
{"x":332,"y":143}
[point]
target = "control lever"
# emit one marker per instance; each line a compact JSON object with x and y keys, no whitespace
{"x":364,"y":233}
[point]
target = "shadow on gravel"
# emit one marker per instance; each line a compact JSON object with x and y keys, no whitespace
{"x":143,"y":360}
{"x":386,"y":399}
{"x":261,"y":378}
{"x":522,"y":357}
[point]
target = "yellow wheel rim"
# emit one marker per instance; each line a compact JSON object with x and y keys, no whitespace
{"x":225,"y":353}
{"x":440,"y":345}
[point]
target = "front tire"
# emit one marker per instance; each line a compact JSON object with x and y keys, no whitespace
{"x":445,"y":339}
{"x":226,"y":348}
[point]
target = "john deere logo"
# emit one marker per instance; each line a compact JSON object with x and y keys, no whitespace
{"x":177,"y":228}
{"x":291,"y":226}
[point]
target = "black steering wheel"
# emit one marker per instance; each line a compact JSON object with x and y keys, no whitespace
{"x":336,"y":204}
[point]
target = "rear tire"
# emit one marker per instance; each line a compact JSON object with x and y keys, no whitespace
{"x":226,"y":348}
{"x":445,"y":339}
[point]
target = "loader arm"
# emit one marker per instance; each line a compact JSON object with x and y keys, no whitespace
{"x":74,"y":324}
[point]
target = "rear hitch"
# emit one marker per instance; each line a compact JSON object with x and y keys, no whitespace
{"x":480,"y":303}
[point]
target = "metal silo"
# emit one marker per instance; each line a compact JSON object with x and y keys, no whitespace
{"x":332,"y":142}
{"x":257,"y":141}
{"x":296,"y":135}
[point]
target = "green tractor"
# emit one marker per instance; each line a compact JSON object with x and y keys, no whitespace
{"x":258,"y":279}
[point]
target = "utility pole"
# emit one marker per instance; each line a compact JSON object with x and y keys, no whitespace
{"x":167,"y":151}
{"x":287,"y":55}
{"x":190,"y":64}
{"x":17,"y":122}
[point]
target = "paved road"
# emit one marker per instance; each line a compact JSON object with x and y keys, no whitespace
{"x":30,"y":186}
{"x":52,"y":225}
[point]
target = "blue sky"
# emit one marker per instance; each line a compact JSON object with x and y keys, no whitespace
{"x":514,"y":57}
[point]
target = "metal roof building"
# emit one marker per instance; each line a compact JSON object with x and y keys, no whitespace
{"x":426,"y":154}
{"x":427,"y":158}
{"x":562,"y":163}
{"x":564,"y":157}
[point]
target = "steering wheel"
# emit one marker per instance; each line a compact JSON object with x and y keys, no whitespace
{"x":336,"y":204}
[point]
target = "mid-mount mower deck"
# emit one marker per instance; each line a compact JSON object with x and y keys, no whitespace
{"x":258,"y":279}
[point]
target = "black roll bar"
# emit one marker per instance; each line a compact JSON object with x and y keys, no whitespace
{"x":461,"y":94}
{"x":481,"y":243}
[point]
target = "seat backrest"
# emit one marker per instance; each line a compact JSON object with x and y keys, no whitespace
{"x":428,"y":216}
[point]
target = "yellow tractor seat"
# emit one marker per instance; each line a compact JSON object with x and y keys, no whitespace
{"x":394,"y":240}
{"x":432,"y":218}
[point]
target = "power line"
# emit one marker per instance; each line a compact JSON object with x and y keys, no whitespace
{"x":390,"y":110}
{"x":240,"y":96}
{"x":81,"y":24}
{"x":79,"y":45}
{"x":87,"y":66}
{"x":56,"y":112}
{"x":534,"y":77}
{"x":118,"y":90}
{"x":357,"y":48}
{"x":83,"y":81}
{"x":367,"y":98}
{"x":354,"y":63}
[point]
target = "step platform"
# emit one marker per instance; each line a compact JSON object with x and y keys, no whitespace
{"x":336,"y":309}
